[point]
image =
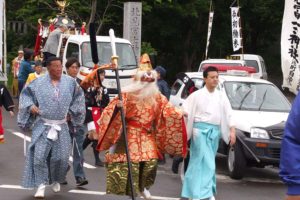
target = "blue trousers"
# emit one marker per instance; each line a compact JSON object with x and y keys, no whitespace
{"x":77,"y":140}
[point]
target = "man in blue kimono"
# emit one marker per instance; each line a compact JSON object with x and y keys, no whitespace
{"x":209,"y":115}
{"x":44,"y":106}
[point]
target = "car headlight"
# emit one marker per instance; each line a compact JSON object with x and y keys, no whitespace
{"x":259,"y":133}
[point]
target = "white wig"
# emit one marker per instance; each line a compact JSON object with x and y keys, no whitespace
{"x":144,"y":86}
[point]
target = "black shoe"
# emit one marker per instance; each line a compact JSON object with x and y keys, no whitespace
{"x":81,"y":181}
{"x":69,"y":167}
{"x":64,"y":182}
{"x":175,"y":164}
{"x":99,"y":163}
{"x":175,"y":167}
{"x":161,"y":162}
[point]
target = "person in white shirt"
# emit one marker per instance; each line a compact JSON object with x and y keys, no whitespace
{"x":208,"y":116}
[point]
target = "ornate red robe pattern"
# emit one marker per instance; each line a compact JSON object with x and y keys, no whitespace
{"x":149,"y":131}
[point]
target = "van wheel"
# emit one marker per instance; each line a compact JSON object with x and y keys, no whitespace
{"x":236,"y":161}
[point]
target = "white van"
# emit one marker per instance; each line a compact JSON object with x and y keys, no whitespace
{"x":220,"y":62}
{"x":236,"y":61}
{"x":255,"y":61}
{"x":79,"y":46}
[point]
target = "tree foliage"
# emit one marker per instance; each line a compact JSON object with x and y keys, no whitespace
{"x":175,"y":29}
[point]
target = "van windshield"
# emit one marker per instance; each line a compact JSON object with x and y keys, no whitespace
{"x":256,"y":97}
{"x":125,"y":52}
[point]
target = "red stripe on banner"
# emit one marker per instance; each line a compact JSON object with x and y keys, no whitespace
{"x":184,"y":138}
{"x":96,"y":113}
{"x":1,"y":127}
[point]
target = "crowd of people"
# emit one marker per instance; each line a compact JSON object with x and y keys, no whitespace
{"x":68,"y":114}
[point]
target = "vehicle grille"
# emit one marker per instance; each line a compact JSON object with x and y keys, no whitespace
{"x":112,"y":91}
{"x":274,"y":152}
{"x":276,"y":134}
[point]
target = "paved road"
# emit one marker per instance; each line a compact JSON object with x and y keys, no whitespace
{"x":259,"y":184}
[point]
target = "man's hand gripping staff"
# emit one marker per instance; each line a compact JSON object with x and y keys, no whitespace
{"x":114,"y":61}
{"x":92,"y":77}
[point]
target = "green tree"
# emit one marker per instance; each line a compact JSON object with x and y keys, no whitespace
{"x":176,"y":30}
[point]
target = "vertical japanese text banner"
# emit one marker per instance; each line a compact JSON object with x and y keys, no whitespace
{"x":210,"y":21}
{"x":1,"y":32}
{"x":235,"y":24}
{"x":290,"y":34}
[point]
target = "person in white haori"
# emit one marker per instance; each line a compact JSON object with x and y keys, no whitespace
{"x":209,"y":115}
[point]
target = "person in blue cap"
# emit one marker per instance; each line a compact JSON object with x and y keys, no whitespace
{"x":161,"y":83}
{"x":165,"y":90}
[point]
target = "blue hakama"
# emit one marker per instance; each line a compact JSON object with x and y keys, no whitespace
{"x":200,"y":178}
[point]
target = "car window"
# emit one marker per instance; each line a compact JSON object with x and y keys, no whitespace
{"x":256,"y":96}
{"x":124,"y":51}
{"x":72,"y":50}
{"x":198,"y":82}
{"x":176,"y":87}
{"x":190,"y":88}
{"x":252,"y":63}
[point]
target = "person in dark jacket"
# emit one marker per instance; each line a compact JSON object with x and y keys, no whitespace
{"x":25,"y":68}
{"x":165,"y":90}
{"x":7,"y":102}
{"x":161,"y":83}
{"x":96,"y":99}
{"x":290,"y":153}
{"x":76,"y":133}
{"x":178,"y":159}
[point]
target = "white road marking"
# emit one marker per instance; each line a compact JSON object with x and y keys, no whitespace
{"x":13,"y":187}
{"x":86,"y":165}
{"x":87,"y":192}
{"x":84,"y":192}
{"x":220,"y":177}
{"x":21,"y":135}
{"x":224,"y":178}
{"x":262,"y":180}
{"x":163,"y":198}
{"x":104,"y":193}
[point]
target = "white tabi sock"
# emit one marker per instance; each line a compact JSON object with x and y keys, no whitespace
{"x":40,"y":192}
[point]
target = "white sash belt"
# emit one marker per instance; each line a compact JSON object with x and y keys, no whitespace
{"x":54,"y":127}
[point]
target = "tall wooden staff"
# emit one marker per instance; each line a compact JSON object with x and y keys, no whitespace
{"x":114,"y":61}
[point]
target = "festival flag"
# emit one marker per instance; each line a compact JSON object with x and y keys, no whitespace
{"x":1,"y":32}
{"x":38,"y":39}
{"x":210,"y":21}
{"x":290,"y":33}
{"x":3,"y":72}
{"x":236,"y":29}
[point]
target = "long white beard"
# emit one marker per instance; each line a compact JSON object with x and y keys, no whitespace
{"x":143,"y":91}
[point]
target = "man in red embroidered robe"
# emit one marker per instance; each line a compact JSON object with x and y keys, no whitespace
{"x":153,"y":126}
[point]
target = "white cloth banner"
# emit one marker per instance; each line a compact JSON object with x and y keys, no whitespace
{"x":236,"y":30}
{"x":290,"y":37}
{"x":210,"y":21}
{"x":1,"y":32}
